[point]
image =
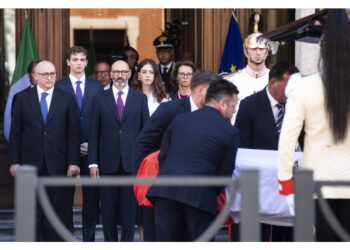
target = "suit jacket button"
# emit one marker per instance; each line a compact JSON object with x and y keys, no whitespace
{"x":120,"y":131}
{"x":45,"y":133}
{"x":81,"y":118}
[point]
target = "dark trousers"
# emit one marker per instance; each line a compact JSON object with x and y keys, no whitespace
{"x":112,"y":198}
{"x":176,"y":221}
{"x":268,"y":233}
{"x":91,"y":204}
{"x":149,"y":227}
{"x":341,"y":210}
{"x":60,"y":199}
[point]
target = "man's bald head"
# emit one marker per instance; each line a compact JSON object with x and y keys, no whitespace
{"x":120,"y":73}
{"x":45,"y":73}
{"x":44,"y":65}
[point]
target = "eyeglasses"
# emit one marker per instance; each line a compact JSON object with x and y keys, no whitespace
{"x":102,"y":72}
{"x":183,"y":75}
{"x":117,"y":72}
{"x":47,"y":74}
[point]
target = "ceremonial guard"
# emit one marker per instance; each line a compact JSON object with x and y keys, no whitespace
{"x":255,"y":76}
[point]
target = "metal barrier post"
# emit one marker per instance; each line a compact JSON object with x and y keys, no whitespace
{"x":25,"y":203}
{"x":250,"y":228}
{"x":304,"y":205}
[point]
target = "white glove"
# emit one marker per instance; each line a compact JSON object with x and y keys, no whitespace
{"x":84,"y":149}
{"x":290,"y":203}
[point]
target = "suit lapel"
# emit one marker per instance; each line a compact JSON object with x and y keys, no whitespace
{"x":55,"y":102}
{"x":86,"y":92}
{"x":130,"y":99}
{"x":267,"y":110}
{"x":69,"y":87}
{"x":111,"y":103}
{"x":187,"y":104}
{"x":34,"y":101}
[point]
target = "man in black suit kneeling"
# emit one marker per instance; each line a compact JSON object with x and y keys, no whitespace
{"x":201,"y":143}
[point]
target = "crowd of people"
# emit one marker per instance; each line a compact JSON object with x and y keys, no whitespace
{"x":192,"y":120}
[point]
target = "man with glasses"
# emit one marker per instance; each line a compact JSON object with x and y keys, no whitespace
{"x":83,"y":89}
{"x":45,"y":133}
{"x":119,"y":114}
{"x":102,"y":74}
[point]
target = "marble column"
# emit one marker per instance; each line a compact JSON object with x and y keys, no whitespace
{"x":306,"y":54}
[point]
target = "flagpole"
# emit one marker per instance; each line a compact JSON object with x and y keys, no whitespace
{"x":234,"y":15}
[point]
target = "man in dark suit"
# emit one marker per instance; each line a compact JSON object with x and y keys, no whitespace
{"x":83,"y":89}
{"x":151,"y":135}
{"x":118,"y":115}
{"x":45,"y":133}
{"x":259,"y":122}
{"x":200,"y":143}
{"x":165,"y":54}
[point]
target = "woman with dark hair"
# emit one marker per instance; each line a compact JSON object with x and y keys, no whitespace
{"x":149,"y":81}
{"x":321,"y":103}
{"x":181,"y":77}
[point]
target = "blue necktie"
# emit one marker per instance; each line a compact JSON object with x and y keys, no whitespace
{"x":43,"y":105}
{"x":79,"y":94}
{"x":280,"y":116}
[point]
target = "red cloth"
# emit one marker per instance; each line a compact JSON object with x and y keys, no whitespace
{"x":286,"y":187}
{"x":149,"y":168}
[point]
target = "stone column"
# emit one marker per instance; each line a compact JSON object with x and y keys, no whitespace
{"x":306,"y":54}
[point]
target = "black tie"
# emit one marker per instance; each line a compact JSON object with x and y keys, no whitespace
{"x":165,"y":70}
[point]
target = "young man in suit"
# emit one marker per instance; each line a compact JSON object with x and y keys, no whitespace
{"x":119,"y":114}
{"x":199,"y":143}
{"x":259,"y":122}
{"x":45,"y":133}
{"x":83,"y":89}
{"x":165,"y":54}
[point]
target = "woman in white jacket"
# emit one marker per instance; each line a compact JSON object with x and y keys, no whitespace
{"x":321,"y":103}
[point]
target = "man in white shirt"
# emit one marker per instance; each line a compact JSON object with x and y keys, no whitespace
{"x":83,"y":89}
{"x":118,"y":115}
{"x":45,"y":134}
{"x":259,"y":122}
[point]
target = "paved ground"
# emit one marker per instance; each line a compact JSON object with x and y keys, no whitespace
{"x":7,"y":228}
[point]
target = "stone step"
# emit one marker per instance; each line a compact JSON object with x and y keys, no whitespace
{"x":7,"y":228}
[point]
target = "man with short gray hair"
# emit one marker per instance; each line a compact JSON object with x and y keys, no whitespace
{"x":118,"y":115}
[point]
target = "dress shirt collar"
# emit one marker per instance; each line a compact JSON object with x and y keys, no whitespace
{"x":40,"y":91}
{"x":272,"y":100}
{"x":193,"y":105}
{"x":167,"y":66}
{"x":256,"y":74}
{"x":124,"y":90}
{"x":73,"y":79}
